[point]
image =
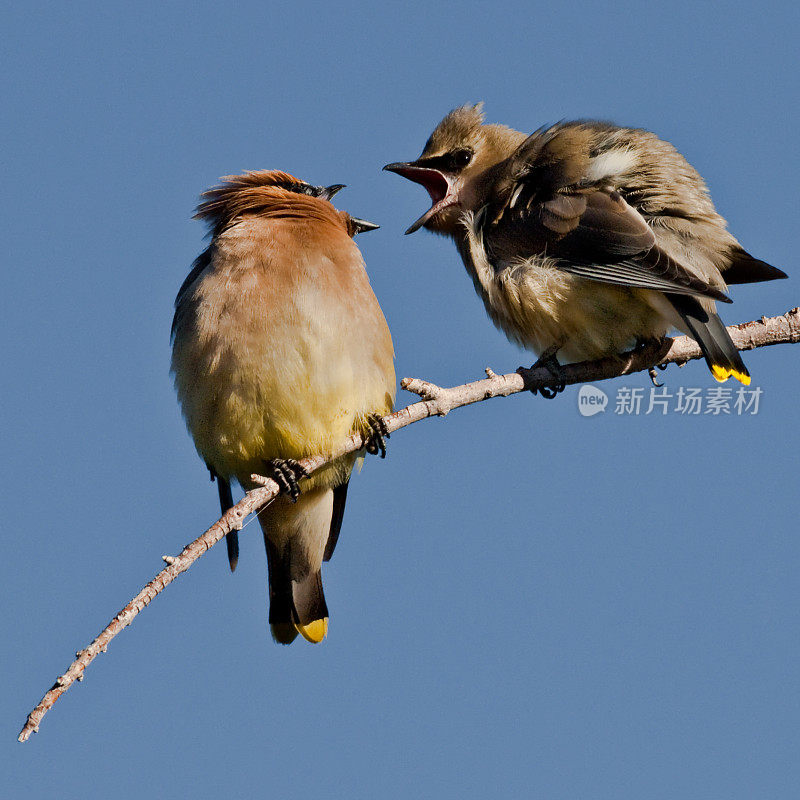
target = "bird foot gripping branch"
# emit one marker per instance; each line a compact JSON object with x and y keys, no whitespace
{"x":376,"y":435}
{"x":549,"y":362}
{"x":287,"y":473}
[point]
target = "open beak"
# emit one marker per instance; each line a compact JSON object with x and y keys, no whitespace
{"x":435,"y":182}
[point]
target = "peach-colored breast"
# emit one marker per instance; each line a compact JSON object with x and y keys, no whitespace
{"x":282,"y":348}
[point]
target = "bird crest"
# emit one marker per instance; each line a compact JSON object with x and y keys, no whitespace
{"x":251,"y":192}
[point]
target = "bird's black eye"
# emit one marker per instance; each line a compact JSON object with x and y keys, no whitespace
{"x":460,"y":158}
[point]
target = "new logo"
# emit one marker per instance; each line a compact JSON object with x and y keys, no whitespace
{"x":591,"y":400}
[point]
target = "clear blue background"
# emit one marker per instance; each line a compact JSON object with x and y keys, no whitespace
{"x":524,"y":602}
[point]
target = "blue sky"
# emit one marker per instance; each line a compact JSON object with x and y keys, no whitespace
{"x":524,"y":602}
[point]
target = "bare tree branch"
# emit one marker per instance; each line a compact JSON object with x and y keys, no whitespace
{"x":436,"y":401}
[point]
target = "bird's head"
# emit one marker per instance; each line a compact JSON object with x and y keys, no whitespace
{"x":261,"y":192}
{"x":453,"y":166}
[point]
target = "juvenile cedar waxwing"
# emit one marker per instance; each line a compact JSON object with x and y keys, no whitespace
{"x":583,"y":239}
{"x":281,"y":351}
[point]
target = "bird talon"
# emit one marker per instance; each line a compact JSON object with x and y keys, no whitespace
{"x":377,"y":434}
{"x":287,"y":473}
{"x":549,"y":392}
{"x":654,"y":377}
{"x":549,"y":362}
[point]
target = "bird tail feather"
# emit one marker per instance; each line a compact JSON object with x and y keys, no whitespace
{"x":721,"y":354}
{"x":295,"y":535}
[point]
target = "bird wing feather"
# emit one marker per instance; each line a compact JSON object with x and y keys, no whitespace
{"x":589,"y":229}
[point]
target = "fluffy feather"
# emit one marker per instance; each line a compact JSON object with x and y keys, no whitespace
{"x":280,"y":351}
{"x":574,"y":234}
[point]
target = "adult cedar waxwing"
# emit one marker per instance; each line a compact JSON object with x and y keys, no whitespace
{"x":583,"y":239}
{"x":281,"y":351}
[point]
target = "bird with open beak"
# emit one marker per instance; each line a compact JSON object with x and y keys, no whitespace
{"x":583,"y":239}
{"x":281,"y":351}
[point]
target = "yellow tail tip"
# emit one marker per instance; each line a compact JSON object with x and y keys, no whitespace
{"x":722,"y":374}
{"x":315,"y":631}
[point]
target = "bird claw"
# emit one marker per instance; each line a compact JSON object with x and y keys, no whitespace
{"x":287,"y":472}
{"x":377,"y":434}
{"x":549,"y":362}
{"x":549,"y":392}
{"x":654,"y":377}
